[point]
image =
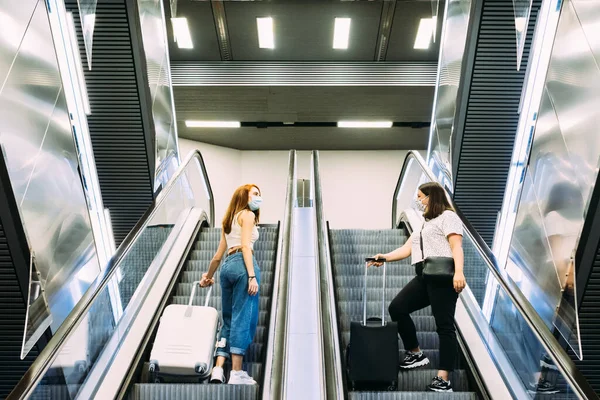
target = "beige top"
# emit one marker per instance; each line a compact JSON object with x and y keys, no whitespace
{"x":234,"y":238}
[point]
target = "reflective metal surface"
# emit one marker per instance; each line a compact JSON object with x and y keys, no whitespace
{"x":154,"y":36}
{"x":275,"y":361}
{"x":522,"y":9}
{"x":43,"y":165}
{"x":563,"y":166}
{"x":80,"y":342}
{"x":452,"y":48}
{"x":87,"y":11}
{"x":332,"y":354}
{"x":512,"y":316}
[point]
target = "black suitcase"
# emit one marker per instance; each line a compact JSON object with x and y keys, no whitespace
{"x":373,"y":355}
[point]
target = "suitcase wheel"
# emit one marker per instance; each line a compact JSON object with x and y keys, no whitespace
{"x":153,"y":373}
{"x":392,"y":387}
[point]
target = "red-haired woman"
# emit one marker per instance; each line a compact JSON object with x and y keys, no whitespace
{"x":240,"y":279}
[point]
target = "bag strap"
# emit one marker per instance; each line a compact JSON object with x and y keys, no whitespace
{"x":421,"y":241}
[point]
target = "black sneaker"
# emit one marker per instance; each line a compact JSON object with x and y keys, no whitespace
{"x":544,"y":387}
{"x":412,"y":360}
{"x":546,"y":362}
{"x":440,"y":385}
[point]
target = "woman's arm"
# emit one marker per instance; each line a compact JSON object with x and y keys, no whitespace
{"x":247,"y":222}
{"x":455,"y":241}
{"x":216,"y":260}
{"x":399,"y":254}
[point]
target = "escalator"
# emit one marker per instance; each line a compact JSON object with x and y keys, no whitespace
{"x":103,"y":349}
{"x":348,"y":248}
{"x":503,"y":343}
{"x":205,"y":246}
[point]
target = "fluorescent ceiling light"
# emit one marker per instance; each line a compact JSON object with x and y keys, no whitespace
{"x":212,"y":124}
{"x":365,"y":124}
{"x":425,"y":33}
{"x":181,"y":31}
{"x":266,"y":38}
{"x":341,"y":33}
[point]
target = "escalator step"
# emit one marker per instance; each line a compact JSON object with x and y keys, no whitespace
{"x":411,"y":396}
{"x":184,"y":391}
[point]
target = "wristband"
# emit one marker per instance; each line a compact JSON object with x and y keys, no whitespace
{"x":252,"y":277}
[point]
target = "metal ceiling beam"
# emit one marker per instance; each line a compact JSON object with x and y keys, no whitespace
{"x":273,"y":73}
{"x":385,"y":29}
{"x":218,"y":11}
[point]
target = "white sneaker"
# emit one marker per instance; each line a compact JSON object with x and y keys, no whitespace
{"x":217,"y":376}
{"x":240,"y":378}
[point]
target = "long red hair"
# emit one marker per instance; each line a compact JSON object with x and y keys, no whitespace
{"x":239,"y":202}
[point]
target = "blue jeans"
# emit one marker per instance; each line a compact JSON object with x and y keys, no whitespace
{"x":240,"y":310}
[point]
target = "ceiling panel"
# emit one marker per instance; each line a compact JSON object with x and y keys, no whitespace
{"x":303,"y":30}
{"x":404,"y":31}
{"x":310,"y":138}
{"x":202,"y":30}
{"x":304,"y":104}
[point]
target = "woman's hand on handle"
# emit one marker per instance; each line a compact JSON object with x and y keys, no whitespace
{"x":376,"y":263}
{"x":252,"y":286}
{"x":459,"y":281}
{"x":206,"y":281}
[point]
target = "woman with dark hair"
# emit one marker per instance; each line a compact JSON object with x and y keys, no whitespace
{"x":440,"y":236}
{"x":240,"y":280}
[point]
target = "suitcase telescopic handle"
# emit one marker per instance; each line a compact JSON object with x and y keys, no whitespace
{"x":194,"y":286}
{"x":367,"y":260}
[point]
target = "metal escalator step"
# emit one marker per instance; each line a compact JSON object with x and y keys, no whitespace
{"x":258,"y":246}
{"x":356,"y":267}
{"x":422,"y":323}
{"x":254,"y":369}
{"x":373,"y":281}
{"x":373,"y":308}
{"x":413,"y":381}
{"x":207,"y":255}
{"x":193,"y":276}
{"x":196,"y":265}
{"x":148,"y":391}
{"x":427,"y":340}
{"x":411,"y":396}
{"x":356,"y":294}
{"x":263,"y":301}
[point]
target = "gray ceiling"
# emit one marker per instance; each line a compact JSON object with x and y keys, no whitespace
{"x":304,"y":32}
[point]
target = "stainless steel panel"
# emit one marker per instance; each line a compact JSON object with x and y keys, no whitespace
{"x":14,"y":21}
{"x":562,"y":171}
{"x":156,"y":50}
{"x":573,"y":84}
{"x":452,"y":50}
{"x":588,"y":12}
{"x":35,"y":131}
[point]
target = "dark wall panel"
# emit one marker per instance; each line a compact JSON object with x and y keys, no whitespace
{"x":120,"y":124}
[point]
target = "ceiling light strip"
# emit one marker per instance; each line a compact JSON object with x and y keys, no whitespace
{"x":424,"y":33}
{"x":266,"y":36}
{"x":303,"y":74}
{"x":341,"y":33}
{"x":181,"y":33}
{"x":212,"y":124}
{"x":365,"y":124}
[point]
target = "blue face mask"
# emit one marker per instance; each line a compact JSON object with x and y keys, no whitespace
{"x":420,"y":206}
{"x":255,"y":202}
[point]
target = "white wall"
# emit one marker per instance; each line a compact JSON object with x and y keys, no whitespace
{"x":357,"y":185}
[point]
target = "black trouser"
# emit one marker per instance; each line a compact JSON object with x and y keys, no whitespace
{"x":418,"y":294}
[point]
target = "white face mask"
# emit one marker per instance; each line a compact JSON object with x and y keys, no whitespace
{"x":255,"y":202}
{"x":420,"y":205}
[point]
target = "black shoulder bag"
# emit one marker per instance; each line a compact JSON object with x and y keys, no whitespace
{"x":435,"y":268}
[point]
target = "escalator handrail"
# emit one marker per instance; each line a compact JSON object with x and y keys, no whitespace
{"x":275,"y":360}
{"x":331,"y":341}
{"x":47,"y":356}
{"x":563,"y":362}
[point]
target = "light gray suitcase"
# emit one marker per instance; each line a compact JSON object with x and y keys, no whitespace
{"x":185,"y":341}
